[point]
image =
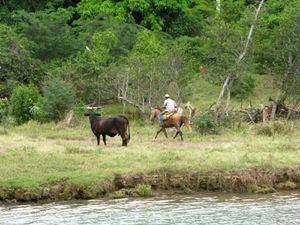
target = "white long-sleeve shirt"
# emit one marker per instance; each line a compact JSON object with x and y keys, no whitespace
{"x":169,"y":104}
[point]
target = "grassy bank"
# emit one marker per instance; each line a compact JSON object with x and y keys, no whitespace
{"x":33,"y":154}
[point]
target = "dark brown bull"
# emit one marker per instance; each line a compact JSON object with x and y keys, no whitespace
{"x":110,"y":126}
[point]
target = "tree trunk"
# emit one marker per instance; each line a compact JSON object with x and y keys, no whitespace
{"x":228,"y":100}
{"x":219,"y":101}
{"x":243,"y":54}
{"x":230,"y":78}
{"x":122,"y":85}
{"x":278,"y":101}
{"x":274,"y":108}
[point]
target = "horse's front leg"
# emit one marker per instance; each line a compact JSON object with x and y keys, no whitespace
{"x":159,"y":132}
{"x":178,"y":132}
{"x":181,"y":135}
{"x":165,"y":132}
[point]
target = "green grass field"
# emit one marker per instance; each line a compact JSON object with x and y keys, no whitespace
{"x":33,"y":154}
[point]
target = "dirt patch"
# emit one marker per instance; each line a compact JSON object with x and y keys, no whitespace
{"x":251,"y":180}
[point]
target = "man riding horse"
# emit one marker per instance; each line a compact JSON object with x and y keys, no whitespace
{"x":174,"y":119}
{"x":170,"y":108}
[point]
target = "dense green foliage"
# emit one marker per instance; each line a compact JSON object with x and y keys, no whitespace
{"x":16,"y":65}
{"x":3,"y":108}
{"x":22,"y":100}
{"x":59,"y":97}
{"x":204,"y":123}
{"x":244,"y":86}
{"x":48,"y":34}
{"x":102,"y":51}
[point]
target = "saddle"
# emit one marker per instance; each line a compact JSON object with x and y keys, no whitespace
{"x":167,"y":115}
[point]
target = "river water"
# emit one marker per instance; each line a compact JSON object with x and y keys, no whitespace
{"x":283,"y":208}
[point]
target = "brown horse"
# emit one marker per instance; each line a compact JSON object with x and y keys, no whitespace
{"x":176,"y":120}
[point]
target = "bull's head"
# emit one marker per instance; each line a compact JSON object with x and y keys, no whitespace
{"x":92,"y":114}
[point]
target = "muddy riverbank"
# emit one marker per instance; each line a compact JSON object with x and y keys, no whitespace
{"x":251,"y":180}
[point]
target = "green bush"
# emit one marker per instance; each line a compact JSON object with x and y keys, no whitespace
{"x":22,"y":100}
{"x":243,"y":87}
{"x":38,"y":113}
{"x":143,"y":190}
{"x":119,"y":194}
{"x":204,"y":123}
{"x":230,"y":120}
{"x":59,"y":97}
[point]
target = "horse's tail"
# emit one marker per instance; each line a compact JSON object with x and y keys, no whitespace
{"x":186,"y":123}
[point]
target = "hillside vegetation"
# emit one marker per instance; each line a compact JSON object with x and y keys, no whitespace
{"x":57,"y":55}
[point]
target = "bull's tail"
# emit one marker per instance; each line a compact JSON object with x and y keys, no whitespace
{"x":128,"y":128}
{"x":128,"y":131}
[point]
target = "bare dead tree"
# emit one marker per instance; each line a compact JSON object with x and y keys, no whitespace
{"x":232,"y":76}
{"x":124,"y":87}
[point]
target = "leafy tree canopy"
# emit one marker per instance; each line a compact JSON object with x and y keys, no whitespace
{"x":153,"y":14}
{"x":16,"y":64}
{"x":49,"y":36}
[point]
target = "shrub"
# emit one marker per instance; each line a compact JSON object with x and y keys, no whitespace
{"x":204,"y":123}
{"x":229,"y":121}
{"x":264,"y":129}
{"x":143,"y":190}
{"x":59,"y":97}
{"x":22,"y":100}
{"x":243,"y":87}
{"x":37,"y":112}
{"x":119,"y":194}
{"x":282,"y":127}
{"x":273,"y":128}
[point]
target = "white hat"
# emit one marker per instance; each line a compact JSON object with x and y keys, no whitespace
{"x":167,"y":96}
